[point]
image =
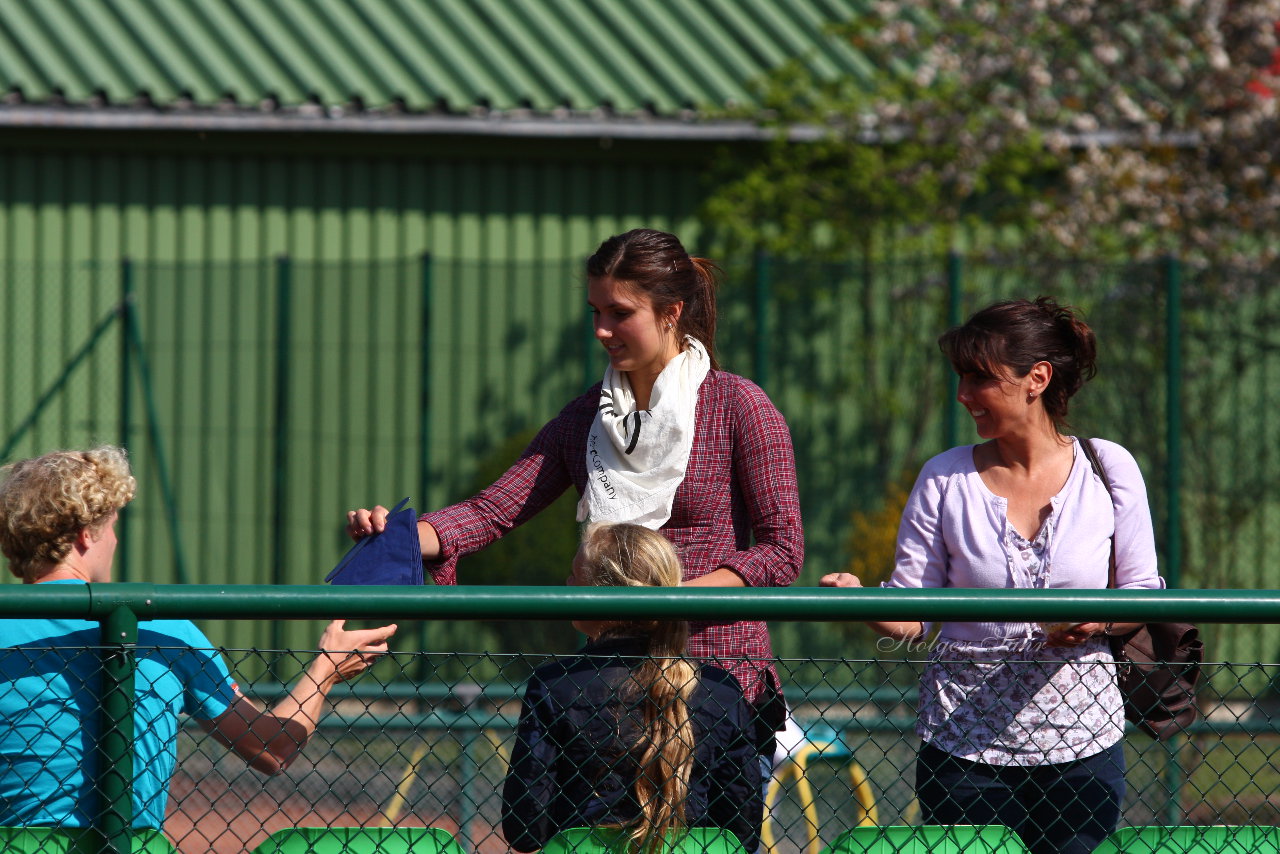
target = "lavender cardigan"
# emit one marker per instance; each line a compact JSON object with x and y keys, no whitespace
{"x":954,"y":533}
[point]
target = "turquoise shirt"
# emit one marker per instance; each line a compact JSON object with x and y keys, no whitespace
{"x":50,"y":684}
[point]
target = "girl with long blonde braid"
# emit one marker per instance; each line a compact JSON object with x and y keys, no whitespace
{"x":629,"y":733}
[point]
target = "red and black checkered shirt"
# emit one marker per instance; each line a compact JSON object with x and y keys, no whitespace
{"x":740,"y":483}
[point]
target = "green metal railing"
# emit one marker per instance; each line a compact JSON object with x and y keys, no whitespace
{"x":473,"y":602}
{"x":119,"y":607}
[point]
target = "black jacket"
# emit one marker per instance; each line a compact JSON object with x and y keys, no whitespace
{"x":571,"y":764}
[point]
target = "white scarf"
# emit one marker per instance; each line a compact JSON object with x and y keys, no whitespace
{"x":637,"y":458}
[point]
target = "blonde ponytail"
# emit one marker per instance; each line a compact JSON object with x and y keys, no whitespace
{"x":666,"y":744}
{"x":624,"y":555}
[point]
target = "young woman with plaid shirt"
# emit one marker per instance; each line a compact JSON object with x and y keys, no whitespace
{"x":731,"y":507}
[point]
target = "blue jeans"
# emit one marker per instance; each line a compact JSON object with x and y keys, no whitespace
{"x":1066,"y":808}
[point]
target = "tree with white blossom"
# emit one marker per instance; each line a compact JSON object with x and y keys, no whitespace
{"x":1088,"y":126}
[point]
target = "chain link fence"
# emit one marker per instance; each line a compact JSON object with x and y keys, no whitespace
{"x":389,"y":758}
{"x":431,"y":739}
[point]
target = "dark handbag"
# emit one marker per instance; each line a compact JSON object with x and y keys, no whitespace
{"x":769,"y":716}
{"x":1157,"y":664}
{"x":1157,"y":668}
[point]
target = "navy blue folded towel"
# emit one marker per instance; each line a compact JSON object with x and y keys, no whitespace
{"x":391,"y":557}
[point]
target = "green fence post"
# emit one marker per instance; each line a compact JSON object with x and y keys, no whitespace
{"x":1173,"y":780}
{"x":950,"y":415}
{"x":280,"y":463}
{"x":424,"y":385}
{"x":126,"y":414}
{"x":134,"y":333}
{"x":1173,"y":421}
{"x":424,"y":425}
{"x":763,"y":300}
{"x":114,"y":819}
{"x":466,"y":790}
{"x":1173,"y":485}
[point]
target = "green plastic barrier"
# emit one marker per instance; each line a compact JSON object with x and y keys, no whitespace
{"x":360,"y":840}
{"x":694,"y":840}
{"x":1215,"y":839}
{"x":955,"y":839}
{"x":54,"y":840}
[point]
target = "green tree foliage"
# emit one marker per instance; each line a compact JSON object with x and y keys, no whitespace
{"x":1088,"y":125}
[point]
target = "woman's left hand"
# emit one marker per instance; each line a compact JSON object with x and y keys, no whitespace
{"x":1074,"y":635}
{"x":839,"y":579}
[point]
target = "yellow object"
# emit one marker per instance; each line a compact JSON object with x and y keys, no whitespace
{"x":500,"y":747}
{"x":797,"y":766}
{"x":396,"y":806}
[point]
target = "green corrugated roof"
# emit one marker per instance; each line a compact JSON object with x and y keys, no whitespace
{"x":450,"y":57}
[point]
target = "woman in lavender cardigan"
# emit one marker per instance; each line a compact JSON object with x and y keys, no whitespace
{"x":1022,"y":723}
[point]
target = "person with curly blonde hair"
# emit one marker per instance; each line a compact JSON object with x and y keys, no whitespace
{"x":57,"y":526}
{"x":629,"y":732}
{"x":46,"y":502}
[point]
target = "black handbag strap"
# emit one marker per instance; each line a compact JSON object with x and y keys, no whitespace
{"x":1089,"y":451}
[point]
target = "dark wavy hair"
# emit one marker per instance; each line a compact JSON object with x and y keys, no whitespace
{"x":656,"y":264}
{"x":1007,"y":338}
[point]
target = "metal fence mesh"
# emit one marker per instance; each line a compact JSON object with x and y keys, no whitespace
{"x":425,"y":740}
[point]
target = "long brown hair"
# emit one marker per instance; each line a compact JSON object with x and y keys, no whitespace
{"x":625,"y":555}
{"x":656,"y":264}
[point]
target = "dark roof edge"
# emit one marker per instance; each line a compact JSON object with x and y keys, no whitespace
{"x":492,"y":125}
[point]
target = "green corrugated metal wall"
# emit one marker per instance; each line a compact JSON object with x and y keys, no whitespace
{"x":77,"y":205}
{"x":850,"y":360}
{"x":203,"y":229}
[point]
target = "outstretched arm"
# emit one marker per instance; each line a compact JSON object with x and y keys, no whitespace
{"x":532,"y":483}
{"x":270,"y":741}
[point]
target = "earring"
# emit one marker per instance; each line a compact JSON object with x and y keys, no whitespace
{"x":1031,"y":396}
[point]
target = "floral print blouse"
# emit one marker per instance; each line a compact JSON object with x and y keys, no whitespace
{"x":1014,"y":701}
{"x":992,"y":691}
